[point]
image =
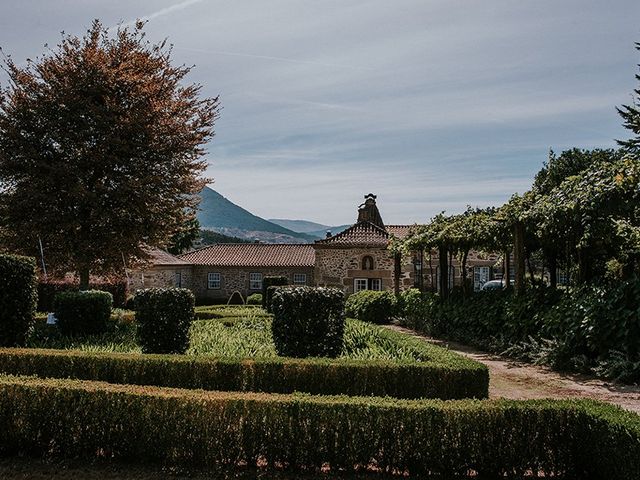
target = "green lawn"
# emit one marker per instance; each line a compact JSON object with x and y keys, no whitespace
{"x":237,"y":332}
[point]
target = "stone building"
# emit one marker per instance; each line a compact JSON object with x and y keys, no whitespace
{"x":223,"y":269}
{"x":355,"y":259}
{"x":162,"y":270}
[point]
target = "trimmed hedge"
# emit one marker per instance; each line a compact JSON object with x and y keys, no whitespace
{"x":267,"y":292}
{"x":18,"y":298}
{"x":83,"y":313}
{"x":254,"y":299}
{"x":493,"y":439}
{"x":163,"y":318}
{"x":308,"y":322}
{"x":445,"y":376}
{"x":371,"y":306}
{"x":47,"y":290}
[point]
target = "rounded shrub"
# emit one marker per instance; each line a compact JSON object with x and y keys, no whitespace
{"x":267,"y":290}
{"x":163,"y":318}
{"x":18,"y":298}
{"x":254,"y":299}
{"x":308,"y":322}
{"x":371,"y":306}
{"x":82,"y":313}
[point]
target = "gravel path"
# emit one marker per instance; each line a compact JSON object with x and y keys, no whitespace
{"x":519,"y":381}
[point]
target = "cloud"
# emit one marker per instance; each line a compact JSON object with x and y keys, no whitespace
{"x":159,"y":13}
{"x":432,"y":104}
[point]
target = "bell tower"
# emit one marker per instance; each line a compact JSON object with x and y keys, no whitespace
{"x":368,"y":211}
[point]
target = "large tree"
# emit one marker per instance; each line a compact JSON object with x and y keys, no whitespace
{"x":101,"y":146}
{"x":631,"y":116}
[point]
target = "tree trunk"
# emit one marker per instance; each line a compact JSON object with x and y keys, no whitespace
{"x":532,"y":273}
{"x":83,"y":272}
{"x":519,"y":257}
{"x":553,"y":270}
{"x":506,"y":277}
{"x":465,"y":286}
{"x":444,"y":272}
{"x":431,"y":282}
{"x":397,"y":271}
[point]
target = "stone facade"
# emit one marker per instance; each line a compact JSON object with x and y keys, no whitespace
{"x":237,"y":279}
{"x":341,"y":266}
{"x":161,"y":276}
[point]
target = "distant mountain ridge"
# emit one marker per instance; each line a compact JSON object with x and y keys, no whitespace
{"x":310,"y":228}
{"x":219,"y":214}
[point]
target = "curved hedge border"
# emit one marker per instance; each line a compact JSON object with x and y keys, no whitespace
{"x":457,"y":378}
{"x":564,"y":439}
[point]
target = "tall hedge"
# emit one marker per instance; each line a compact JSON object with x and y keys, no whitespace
{"x":308,"y":321}
{"x":83,"y":313}
{"x":18,"y":297}
{"x":484,"y":439}
{"x":267,"y":293}
{"x":593,"y":328}
{"x":446,"y":375}
{"x":371,"y":306}
{"x":163,"y":318}
{"x":47,"y":290}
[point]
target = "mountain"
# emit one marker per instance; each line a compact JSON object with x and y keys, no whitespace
{"x":221,"y":215}
{"x":314,"y":229}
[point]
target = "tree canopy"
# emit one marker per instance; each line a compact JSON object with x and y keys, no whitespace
{"x":101,"y":146}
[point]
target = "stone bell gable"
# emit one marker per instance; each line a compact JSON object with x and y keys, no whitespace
{"x":357,"y":258}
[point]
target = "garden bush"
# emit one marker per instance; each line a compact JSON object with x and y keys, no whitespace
{"x":443,"y":374}
{"x":483,"y":439}
{"x":254,"y":299}
{"x":267,"y":292}
{"x":18,"y":298}
{"x":371,"y":306}
{"x":308,"y":322}
{"x":82,"y":313}
{"x":163,"y":318}
{"x":594,"y":328}
{"x":47,"y":290}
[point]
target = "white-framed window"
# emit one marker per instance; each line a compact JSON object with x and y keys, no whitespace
{"x":375,"y":284}
{"x":255,"y":281}
{"x":213,"y":281}
{"x":360,"y":284}
{"x":299,"y":278}
{"x":178,"y":279}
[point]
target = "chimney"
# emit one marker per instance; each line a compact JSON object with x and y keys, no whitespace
{"x":368,"y":211}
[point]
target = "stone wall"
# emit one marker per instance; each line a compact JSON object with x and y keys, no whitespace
{"x":340,"y":266}
{"x":237,"y":279}
{"x":161,"y":277}
{"x":430,"y":269}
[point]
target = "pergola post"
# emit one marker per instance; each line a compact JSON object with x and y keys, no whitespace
{"x":518,"y":235}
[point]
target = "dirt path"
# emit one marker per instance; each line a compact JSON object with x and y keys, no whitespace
{"x":519,"y":381}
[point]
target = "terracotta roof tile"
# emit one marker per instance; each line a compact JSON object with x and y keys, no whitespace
{"x":160,"y":257}
{"x":253,"y":255}
{"x":401,"y":231}
{"x":362,"y":233}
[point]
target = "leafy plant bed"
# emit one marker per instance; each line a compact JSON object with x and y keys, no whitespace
{"x":77,"y":419}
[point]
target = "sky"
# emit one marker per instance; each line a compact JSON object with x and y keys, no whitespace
{"x":431,"y":104}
